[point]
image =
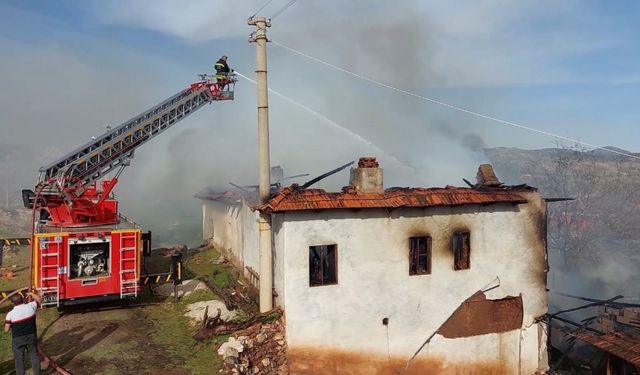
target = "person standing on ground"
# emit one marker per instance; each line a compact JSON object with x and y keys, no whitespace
{"x":21,"y":320}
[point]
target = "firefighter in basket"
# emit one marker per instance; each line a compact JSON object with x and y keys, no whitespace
{"x":222,"y":72}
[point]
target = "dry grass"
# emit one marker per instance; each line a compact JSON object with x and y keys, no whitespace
{"x":148,"y":336}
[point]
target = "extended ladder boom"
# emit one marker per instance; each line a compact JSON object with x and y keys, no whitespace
{"x":115,"y":148}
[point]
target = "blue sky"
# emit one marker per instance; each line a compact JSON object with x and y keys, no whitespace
{"x":69,"y":68}
{"x":568,"y":68}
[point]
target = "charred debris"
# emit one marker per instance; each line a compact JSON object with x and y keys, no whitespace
{"x":606,"y":341}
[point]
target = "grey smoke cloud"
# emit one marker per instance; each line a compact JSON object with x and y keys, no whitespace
{"x":461,"y":134}
{"x":81,"y":89}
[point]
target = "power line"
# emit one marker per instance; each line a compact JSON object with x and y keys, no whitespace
{"x":334,"y":124}
{"x":279,"y":12}
{"x":262,"y":7}
{"x":451,"y":106}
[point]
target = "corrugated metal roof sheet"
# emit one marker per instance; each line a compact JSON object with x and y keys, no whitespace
{"x":230,"y":197}
{"x":294,"y":199}
{"x":618,"y":344}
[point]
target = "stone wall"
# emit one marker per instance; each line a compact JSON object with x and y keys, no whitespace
{"x":258,"y":349}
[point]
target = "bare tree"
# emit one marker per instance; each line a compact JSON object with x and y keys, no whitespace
{"x":605,"y":206}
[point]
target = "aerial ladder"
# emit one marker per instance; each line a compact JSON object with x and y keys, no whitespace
{"x":83,"y":248}
{"x":66,"y":191}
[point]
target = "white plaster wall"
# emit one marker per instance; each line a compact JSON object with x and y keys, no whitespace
{"x":249,"y":223}
{"x":279,"y":277}
{"x":207,"y":227}
{"x":215,"y":224}
{"x":233,"y":229}
{"x":236,"y":234}
{"x":374,"y":283}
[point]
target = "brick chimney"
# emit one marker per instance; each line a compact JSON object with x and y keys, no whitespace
{"x":486,"y":176}
{"x":367,"y":176}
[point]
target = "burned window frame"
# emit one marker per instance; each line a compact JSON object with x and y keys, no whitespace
{"x":461,"y":246}
{"x":415,"y":256}
{"x":324,"y":253}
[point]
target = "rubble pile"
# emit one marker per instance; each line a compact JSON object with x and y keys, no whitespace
{"x":235,"y":295}
{"x":258,"y":349}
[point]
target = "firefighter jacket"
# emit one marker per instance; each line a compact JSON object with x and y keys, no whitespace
{"x":222,"y":69}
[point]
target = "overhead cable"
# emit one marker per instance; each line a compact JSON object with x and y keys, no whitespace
{"x":279,"y":12}
{"x":333,"y":123}
{"x":261,"y":8}
{"x":454,"y":107}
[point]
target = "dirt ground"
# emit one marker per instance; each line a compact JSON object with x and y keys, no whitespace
{"x":89,"y":343}
{"x":146,"y":336}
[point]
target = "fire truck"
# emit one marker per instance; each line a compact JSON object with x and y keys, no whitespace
{"x":84,"y":250}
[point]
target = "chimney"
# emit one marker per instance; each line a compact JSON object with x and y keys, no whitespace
{"x":277,"y":174}
{"x":487,"y":177}
{"x":367,"y":176}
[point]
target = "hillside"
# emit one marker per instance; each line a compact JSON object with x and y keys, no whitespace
{"x":593,"y":239}
{"x":14,"y":223}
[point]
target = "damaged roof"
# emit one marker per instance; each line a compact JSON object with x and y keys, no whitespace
{"x":292,"y":198}
{"x":229,"y":197}
{"x":619,"y":344}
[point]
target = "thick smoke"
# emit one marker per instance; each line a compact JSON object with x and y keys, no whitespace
{"x":56,"y":96}
{"x":591,"y":239}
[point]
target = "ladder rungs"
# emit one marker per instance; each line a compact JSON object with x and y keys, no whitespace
{"x":49,"y":265}
{"x":169,"y":108}
{"x":126,"y":259}
{"x":127,"y":271}
{"x":48,"y":254}
{"x":129,"y":248}
{"x":45,"y":290}
{"x":49,"y":278}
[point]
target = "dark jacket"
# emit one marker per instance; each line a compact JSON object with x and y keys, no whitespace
{"x":222,"y":67}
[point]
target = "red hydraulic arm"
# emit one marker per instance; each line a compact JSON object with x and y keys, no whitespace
{"x":67,"y":194}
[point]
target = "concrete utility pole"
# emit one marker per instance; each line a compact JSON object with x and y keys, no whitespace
{"x":264,"y":165}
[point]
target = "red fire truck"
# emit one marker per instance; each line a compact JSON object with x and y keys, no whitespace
{"x":84,"y":250}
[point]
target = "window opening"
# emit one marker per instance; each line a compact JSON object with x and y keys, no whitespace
{"x":419,"y":255}
{"x":323,"y":267}
{"x":461,"y":251}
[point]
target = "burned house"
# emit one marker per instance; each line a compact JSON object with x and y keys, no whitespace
{"x":230,"y":224}
{"x":229,"y":221}
{"x":438,"y":280}
{"x":409,"y":280}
